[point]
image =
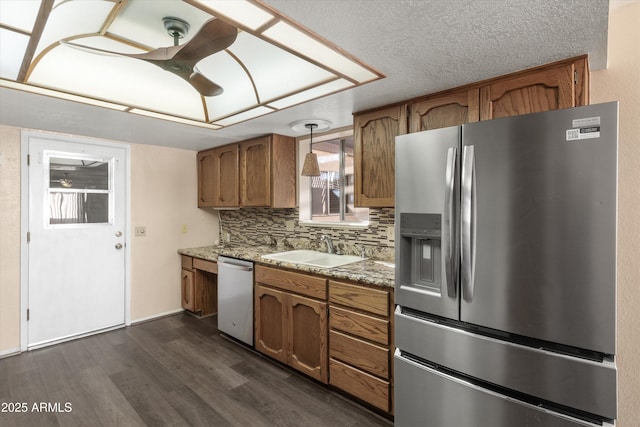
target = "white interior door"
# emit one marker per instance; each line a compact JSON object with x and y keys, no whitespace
{"x":76,"y":245}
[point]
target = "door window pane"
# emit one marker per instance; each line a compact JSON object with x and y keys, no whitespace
{"x":79,"y":190}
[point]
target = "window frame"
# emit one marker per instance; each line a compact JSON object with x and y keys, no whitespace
{"x":304,"y":182}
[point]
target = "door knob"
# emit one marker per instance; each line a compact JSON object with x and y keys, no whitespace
{"x":118,"y":245}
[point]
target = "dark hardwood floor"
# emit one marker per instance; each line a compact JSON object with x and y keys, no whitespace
{"x":174,"y":371}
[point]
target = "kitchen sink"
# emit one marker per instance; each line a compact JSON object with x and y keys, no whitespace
{"x":313,"y":258}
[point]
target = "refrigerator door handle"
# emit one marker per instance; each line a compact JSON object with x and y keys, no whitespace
{"x":448,"y":231}
{"x":467,"y":234}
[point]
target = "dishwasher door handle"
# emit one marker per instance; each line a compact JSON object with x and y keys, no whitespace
{"x":234,"y":266}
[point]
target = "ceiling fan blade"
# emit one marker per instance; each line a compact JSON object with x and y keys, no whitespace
{"x":214,"y":36}
{"x":203,"y":85}
{"x":93,"y":50}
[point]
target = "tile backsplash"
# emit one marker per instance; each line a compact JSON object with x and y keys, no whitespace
{"x":281,"y":227}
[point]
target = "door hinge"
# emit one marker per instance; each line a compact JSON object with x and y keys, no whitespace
{"x":28,"y":159}
{"x":27,"y":314}
{"x":575,"y":77}
{"x":28,"y":236}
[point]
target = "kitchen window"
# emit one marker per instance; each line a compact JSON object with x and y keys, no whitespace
{"x":331,"y":195}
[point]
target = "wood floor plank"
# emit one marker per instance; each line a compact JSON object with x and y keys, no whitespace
{"x":173,"y":371}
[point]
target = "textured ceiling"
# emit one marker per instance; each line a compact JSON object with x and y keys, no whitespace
{"x":422,"y":46}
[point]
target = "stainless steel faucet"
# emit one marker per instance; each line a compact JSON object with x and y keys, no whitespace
{"x":327,"y":238}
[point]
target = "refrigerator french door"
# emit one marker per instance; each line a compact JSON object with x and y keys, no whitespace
{"x":505,"y":265}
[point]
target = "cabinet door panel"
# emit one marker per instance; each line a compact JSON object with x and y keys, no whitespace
{"x":227,"y":185}
{"x":374,"y":155}
{"x":452,"y":109}
{"x":188,"y":291}
{"x":538,"y":91}
{"x":255,"y":160}
{"x":270,"y":326}
{"x":308,"y":336}
{"x":206,"y":178}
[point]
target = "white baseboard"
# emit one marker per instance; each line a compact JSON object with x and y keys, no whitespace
{"x":9,"y":352}
{"x":156,"y":316}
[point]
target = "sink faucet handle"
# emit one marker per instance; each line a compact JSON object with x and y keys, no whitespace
{"x":327,"y":238}
{"x":362,"y":250}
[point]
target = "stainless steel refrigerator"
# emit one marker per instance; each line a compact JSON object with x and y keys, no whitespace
{"x":505,"y":278}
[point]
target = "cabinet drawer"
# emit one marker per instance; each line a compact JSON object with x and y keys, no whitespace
{"x":364,"y":355}
{"x":372,"y":300}
{"x":361,"y":325}
{"x":187,"y":262}
{"x":360,"y":384}
{"x":202,"y":264}
{"x":303,"y":284}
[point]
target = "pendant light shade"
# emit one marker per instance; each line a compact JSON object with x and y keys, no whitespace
{"x":310,"y":167}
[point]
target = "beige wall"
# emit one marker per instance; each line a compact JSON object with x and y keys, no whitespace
{"x":163,"y":198}
{"x":621,"y":82}
{"x":9,"y":239}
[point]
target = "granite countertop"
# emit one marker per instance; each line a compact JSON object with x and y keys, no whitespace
{"x":366,"y":271}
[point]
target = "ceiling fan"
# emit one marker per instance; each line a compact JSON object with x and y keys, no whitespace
{"x":214,"y":36}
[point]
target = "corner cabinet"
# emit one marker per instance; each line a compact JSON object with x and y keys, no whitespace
{"x":374,"y":155}
{"x":260,"y":172}
{"x":291,"y":319}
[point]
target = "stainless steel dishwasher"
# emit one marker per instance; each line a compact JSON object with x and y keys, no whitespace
{"x":235,"y":298}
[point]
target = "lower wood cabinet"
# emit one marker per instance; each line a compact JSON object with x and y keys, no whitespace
{"x":338,"y":332}
{"x":291,"y":319}
{"x":361,"y":342}
{"x":199,"y":287}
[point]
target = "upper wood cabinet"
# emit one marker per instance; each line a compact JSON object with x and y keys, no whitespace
{"x":554,"y":86}
{"x":268,"y":172}
{"x":562,"y":85}
{"x":451,"y":109}
{"x":218,"y":177}
{"x":374,"y":156}
{"x":259,"y":172}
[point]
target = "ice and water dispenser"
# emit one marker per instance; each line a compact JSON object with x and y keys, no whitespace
{"x":420,"y":251}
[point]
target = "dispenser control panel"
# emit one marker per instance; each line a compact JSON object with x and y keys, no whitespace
{"x":420,"y":225}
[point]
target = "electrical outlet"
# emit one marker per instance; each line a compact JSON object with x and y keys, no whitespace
{"x":289,"y":224}
{"x":390,"y":233}
{"x":185,"y":228}
{"x":141,"y":231}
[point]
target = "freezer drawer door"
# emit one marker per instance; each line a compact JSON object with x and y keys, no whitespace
{"x":542,"y":242}
{"x":427,"y":397}
{"x":574,"y":382}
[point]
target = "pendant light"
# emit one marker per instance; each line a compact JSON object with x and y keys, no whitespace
{"x":310,"y":167}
